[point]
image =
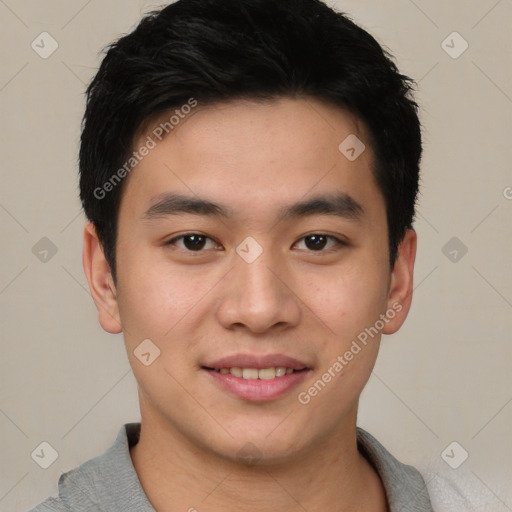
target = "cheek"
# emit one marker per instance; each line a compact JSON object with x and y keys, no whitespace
{"x":165,"y":303}
{"x":161,"y":305}
{"x":153,"y":297}
{"x":348,"y":299}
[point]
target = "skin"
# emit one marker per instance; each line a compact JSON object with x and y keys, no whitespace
{"x":255,"y":158}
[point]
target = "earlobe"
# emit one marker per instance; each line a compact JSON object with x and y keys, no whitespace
{"x":101,"y":284}
{"x":401,"y":285}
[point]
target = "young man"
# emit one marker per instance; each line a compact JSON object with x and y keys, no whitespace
{"x":249,"y":169}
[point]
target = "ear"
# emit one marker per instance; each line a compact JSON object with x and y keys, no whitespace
{"x":101,"y":284}
{"x":400,"y":288}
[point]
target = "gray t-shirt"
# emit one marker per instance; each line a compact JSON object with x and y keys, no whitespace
{"x":109,"y":482}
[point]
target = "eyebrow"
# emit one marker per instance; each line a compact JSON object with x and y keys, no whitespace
{"x":337,"y":204}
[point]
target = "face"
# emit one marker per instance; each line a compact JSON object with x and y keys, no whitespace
{"x":249,"y":241}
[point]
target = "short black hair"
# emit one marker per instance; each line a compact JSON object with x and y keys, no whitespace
{"x":221,"y":50}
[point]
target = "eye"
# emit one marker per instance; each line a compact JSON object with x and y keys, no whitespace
{"x":196,"y":242}
{"x":317,"y":242}
{"x":193,"y":242}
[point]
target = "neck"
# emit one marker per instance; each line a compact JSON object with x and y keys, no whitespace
{"x":178,"y":475}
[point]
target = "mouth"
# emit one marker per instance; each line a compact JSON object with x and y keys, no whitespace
{"x":254,"y":373}
{"x":257,"y":378}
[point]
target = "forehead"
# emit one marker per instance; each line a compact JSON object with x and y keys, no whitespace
{"x":253,"y":152}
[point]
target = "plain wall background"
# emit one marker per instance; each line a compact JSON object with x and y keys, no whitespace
{"x":446,"y":376}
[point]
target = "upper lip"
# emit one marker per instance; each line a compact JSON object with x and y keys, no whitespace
{"x":256,"y":361}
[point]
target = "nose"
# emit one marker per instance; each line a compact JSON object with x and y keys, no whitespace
{"x":259,"y":296}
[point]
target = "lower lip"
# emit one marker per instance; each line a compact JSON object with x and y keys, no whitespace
{"x":257,"y":390}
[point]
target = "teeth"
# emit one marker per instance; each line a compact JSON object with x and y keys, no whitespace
{"x":254,"y":373}
{"x":250,"y":373}
{"x":268,"y":373}
{"x":237,"y":372}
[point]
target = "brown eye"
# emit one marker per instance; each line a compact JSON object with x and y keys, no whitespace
{"x":193,"y":242}
{"x":317,"y":242}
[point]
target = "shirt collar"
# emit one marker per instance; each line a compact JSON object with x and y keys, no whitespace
{"x":109,"y":482}
{"x":405,"y":488}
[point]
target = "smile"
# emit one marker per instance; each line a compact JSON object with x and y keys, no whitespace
{"x":255,"y":373}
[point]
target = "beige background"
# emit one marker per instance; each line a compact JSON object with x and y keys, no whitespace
{"x":446,"y":376}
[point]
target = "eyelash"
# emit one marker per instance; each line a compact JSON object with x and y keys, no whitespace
{"x":339,"y":243}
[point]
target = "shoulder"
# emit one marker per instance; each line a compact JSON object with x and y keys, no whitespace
{"x":107,"y":482}
{"x":405,"y":487}
{"x":463,"y":490}
{"x":432,"y":485}
{"x":51,"y":505}
{"x":390,"y":469}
